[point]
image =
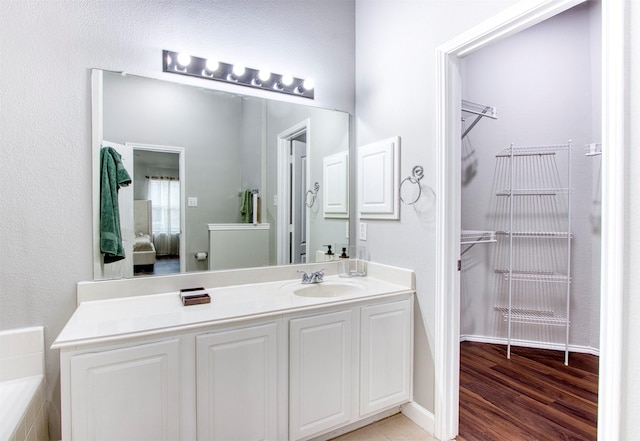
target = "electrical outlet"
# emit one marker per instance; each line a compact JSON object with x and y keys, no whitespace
{"x":362,"y":232}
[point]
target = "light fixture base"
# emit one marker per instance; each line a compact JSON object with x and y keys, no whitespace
{"x":197,"y":67}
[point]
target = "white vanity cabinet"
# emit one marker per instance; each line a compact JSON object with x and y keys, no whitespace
{"x":127,"y":393}
{"x":385,"y":355}
{"x":259,"y":362}
{"x":236,"y":378}
{"x":320,"y":372}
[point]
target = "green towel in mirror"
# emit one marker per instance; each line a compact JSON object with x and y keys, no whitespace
{"x":246,"y":209}
{"x":113,"y":175}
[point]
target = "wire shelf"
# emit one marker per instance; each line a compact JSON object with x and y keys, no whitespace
{"x":468,"y":237}
{"x":530,"y":316}
{"x":534,"y":276}
{"x":533,"y":150}
{"x":479,"y":109}
{"x":537,"y":234}
{"x":534,"y":192}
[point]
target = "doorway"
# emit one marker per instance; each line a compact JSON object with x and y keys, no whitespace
{"x":293,"y":184}
{"x":296,"y":196}
{"x":447,"y":333}
{"x":540,"y":286}
{"x":159,"y":209}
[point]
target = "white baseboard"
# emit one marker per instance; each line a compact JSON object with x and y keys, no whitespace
{"x":530,"y":344}
{"x":419,"y":415}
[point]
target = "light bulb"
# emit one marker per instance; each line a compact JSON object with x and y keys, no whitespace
{"x":264,"y":75}
{"x":184,"y":59}
{"x":212,"y":65}
{"x":238,"y":70}
{"x":309,"y":84}
{"x":287,"y":80}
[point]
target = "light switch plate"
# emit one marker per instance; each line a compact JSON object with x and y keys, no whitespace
{"x":192,"y":202}
{"x":362,"y":231}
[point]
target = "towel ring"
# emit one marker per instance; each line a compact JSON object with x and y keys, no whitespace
{"x":314,"y":195}
{"x":417,"y":173}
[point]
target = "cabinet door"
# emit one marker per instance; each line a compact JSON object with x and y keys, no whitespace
{"x":237,"y":384}
{"x":127,"y":394}
{"x":320,"y":373}
{"x":385,"y":354}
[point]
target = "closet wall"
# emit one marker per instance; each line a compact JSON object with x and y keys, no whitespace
{"x":545,"y":85}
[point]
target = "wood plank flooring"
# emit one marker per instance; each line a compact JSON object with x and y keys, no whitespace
{"x":532,"y":396}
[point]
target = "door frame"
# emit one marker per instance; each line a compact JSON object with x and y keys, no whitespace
{"x":447,"y":305}
{"x":283,"y":187}
{"x":182,"y":176}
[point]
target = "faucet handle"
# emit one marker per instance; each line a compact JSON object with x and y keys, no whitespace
{"x":306,"y":277}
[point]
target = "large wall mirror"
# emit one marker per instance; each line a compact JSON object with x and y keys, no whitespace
{"x":219,"y":180}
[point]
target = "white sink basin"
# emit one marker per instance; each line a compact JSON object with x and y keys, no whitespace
{"x":327,"y":289}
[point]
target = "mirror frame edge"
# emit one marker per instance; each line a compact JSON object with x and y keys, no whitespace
{"x":97,"y":101}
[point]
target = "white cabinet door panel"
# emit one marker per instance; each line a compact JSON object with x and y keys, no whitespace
{"x":127,"y":394}
{"x":385,"y":370}
{"x":237,"y":384}
{"x":320,"y":373}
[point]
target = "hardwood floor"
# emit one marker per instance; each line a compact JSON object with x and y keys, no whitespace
{"x":532,"y":396}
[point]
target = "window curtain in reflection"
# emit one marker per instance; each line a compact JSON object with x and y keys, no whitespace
{"x":164,"y":193}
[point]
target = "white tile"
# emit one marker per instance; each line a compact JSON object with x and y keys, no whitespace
{"x":21,"y":431}
{"x":5,"y":344}
{"x":32,"y":412}
{"x":42,"y":432}
{"x":15,"y":398}
{"x":31,"y":433}
{"x":27,"y":341}
{"x":10,"y":370}
{"x":30,"y":364}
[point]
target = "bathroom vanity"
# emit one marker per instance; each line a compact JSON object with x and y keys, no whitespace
{"x":268,"y":358}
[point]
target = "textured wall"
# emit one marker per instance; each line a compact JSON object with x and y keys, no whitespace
{"x":45,"y":133}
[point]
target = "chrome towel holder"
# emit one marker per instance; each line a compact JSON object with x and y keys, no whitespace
{"x":314,"y":195}
{"x":417,"y":173}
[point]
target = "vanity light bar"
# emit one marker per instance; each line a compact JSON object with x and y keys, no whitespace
{"x":185,"y":64}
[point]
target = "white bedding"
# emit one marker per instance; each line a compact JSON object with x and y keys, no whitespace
{"x":144,"y":252}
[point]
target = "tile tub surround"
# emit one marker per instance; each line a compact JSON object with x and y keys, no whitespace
{"x":23,"y":413}
{"x":21,"y":353}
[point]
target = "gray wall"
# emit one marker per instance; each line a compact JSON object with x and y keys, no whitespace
{"x":544,"y":82}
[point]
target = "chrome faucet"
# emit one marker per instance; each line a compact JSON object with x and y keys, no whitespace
{"x":312,"y":277}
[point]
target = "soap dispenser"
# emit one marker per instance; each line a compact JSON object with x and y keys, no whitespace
{"x":329,"y":255}
{"x":344,"y":253}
